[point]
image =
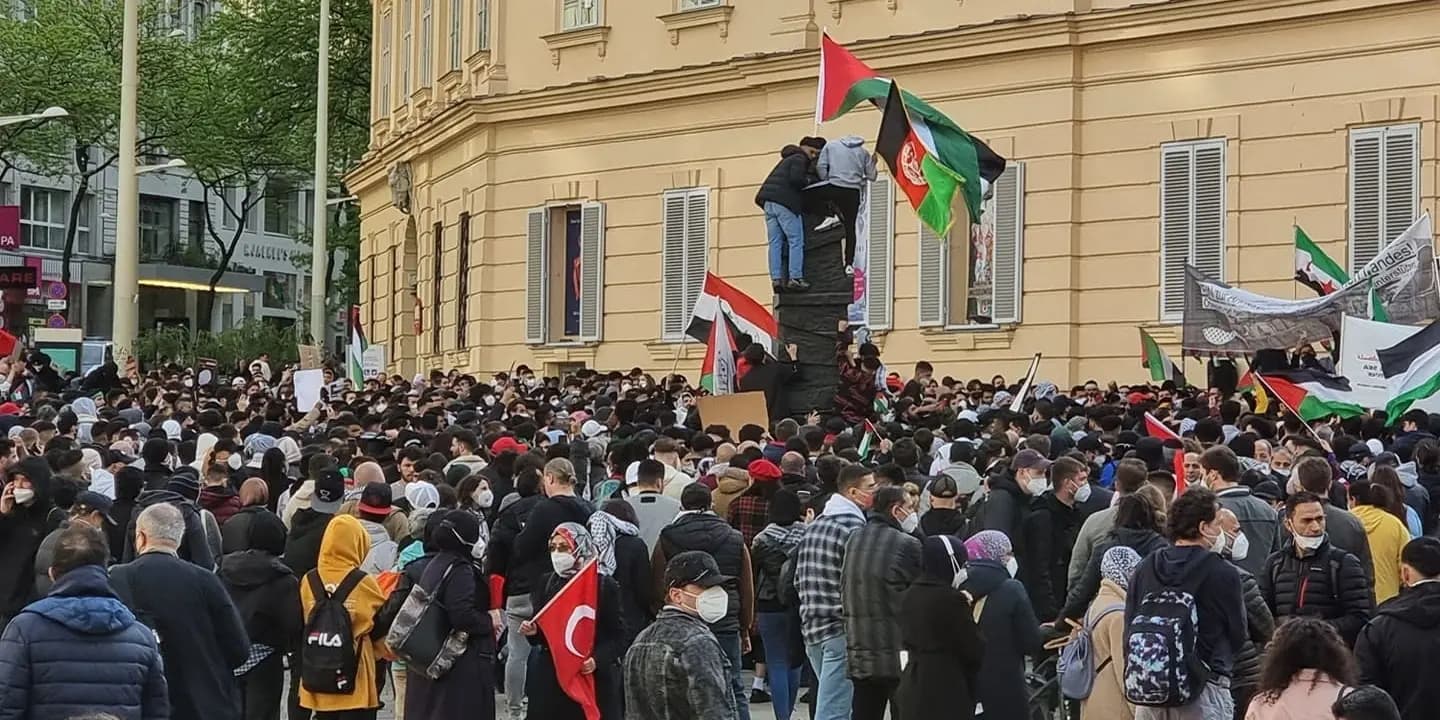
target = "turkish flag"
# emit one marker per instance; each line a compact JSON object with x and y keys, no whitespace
{"x":1156,"y":429}
{"x":568,"y":622}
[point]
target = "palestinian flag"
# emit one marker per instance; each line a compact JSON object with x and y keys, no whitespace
{"x":718,"y":371}
{"x":1313,"y":268}
{"x":1413,"y":368}
{"x":1312,"y":395}
{"x":1154,"y":359}
{"x":1156,"y":429}
{"x":746,"y":316}
{"x":355,"y":354}
{"x":846,"y":82}
{"x":867,"y":443}
{"x":918,"y":173}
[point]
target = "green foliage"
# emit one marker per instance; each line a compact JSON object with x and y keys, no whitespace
{"x":231,"y":349}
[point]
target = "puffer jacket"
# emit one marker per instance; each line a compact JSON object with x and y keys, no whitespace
{"x":676,"y":670}
{"x":732,"y":483}
{"x":80,"y":648}
{"x":1329,"y":584}
{"x":881,"y":561}
{"x":786,"y":180}
{"x":1260,"y":625}
{"x":706,"y":532}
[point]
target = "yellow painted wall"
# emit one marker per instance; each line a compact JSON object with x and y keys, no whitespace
{"x":1083,"y":92}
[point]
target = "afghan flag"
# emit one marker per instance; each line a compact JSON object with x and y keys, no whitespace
{"x":745,"y":315}
{"x":1156,"y":429}
{"x":846,"y":82}
{"x":355,"y":354}
{"x":1154,"y":359}
{"x":1413,"y":369}
{"x":1313,"y":268}
{"x":718,"y":371}
{"x":1312,"y":395}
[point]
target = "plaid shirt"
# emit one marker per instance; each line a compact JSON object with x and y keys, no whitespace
{"x":819,"y":559}
{"x":749,"y":514}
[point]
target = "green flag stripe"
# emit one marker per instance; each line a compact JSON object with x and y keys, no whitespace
{"x":1313,"y":408}
{"x":1402,"y":402}
{"x":1318,"y":258}
{"x":1155,"y":358}
{"x":934,"y":210}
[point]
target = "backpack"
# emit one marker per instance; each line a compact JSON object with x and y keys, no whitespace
{"x":1076,"y":666}
{"x":329,"y":661}
{"x":1162,"y":668}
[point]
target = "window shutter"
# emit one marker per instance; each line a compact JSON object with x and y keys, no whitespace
{"x":1365,"y":225}
{"x":1175,"y":185}
{"x":1009,"y":243}
{"x":462,"y":294}
{"x":1402,"y":180}
{"x":1208,"y":246}
{"x":592,"y":270}
{"x":537,"y":232}
{"x":932,"y":279}
{"x":672,"y":263}
{"x":437,"y":269}
{"x":697,"y":245}
{"x":880,"y":258}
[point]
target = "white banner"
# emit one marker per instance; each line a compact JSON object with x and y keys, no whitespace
{"x":372,"y":363}
{"x":1359,"y":340}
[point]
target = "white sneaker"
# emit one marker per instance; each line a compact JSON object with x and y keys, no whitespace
{"x":850,"y":270}
{"x":828,"y":223}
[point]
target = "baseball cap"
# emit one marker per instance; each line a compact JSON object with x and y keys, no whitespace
{"x":592,"y":429}
{"x":329,"y":492}
{"x":508,"y":444}
{"x":89,"y":501}
{"x":693,"y":567}
{"x":375,"y":499}
{"x":1029,"y":460}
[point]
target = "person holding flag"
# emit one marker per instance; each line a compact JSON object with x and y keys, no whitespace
{"x":579,"y":634}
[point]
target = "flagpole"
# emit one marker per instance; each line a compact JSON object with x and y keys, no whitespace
{"x":1281,"y":398}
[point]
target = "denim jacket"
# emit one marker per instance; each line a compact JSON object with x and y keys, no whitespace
{"x":676,"y":670}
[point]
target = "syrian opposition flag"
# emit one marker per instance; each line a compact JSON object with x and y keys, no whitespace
{"x":1312,"y":395}
{"x":1154,"y":359}
{"x":1156,"y":429}
{"x":568,"y":622}
{"x":355,"y":354}
{"x":717,"y":371}
{"x":746,"y":316}
{"x":1412,"y":368}
{"x":845,"y":82}
{"x":1313,"y":268}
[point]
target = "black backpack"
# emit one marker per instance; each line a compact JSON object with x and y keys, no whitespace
{"x":328,"y":659}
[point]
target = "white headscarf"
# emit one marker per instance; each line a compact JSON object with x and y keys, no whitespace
{"x":202,"y":450}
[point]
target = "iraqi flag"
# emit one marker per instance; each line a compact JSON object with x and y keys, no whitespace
{"x":1312,"y":395}
{"x":746,"y":316}
{"x":845,"y":82}
{"x":1154,"y":359}
{"x":1156,"y":429}
{"x":355,"y":354}
{"x":1313,"y":268}
{"x":568,"y":622}
{"x":718,"y":372}
{"x":1412,"y":367}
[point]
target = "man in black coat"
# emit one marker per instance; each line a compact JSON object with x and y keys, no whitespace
{"x":201,"y":635}
{"x":1397,"y":650}
{"x":770,"y":377}
{"x":1310,"y":577}
{"x":27,"y":515}
{"x":781,"y":196}
{"x":1050,"y":531}
{"x":307,"y":525}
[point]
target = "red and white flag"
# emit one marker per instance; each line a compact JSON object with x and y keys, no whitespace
{"x":568,"y":622}
{"x":1156,"y":429}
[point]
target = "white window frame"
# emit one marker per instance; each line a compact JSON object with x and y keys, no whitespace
{"x":457,"y":31}
{"x":695,"y":247}
{"x":1389,"y":221}
{"x":580,"y":14}
{"x":684,"y":5}
{"x":387,"y":62}
{"x":1013,"y":178}
{"x":1176,"y":295}
{"x":406,"y":37}
{"x":54,"y":227}
{"x":427,"y":41}
{"x":482,"y":25}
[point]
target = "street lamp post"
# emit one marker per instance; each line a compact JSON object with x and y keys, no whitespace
{"x":126,"y":320}
{"x":49,"y":113}
{"x":319,"y":263}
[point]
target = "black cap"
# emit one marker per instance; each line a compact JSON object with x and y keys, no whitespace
{"x":89,"y":501}
{"x":329,"y":492}
{"x":693,"y":567}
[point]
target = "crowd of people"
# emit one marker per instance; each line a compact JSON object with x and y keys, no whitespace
{"x":175,"y":545}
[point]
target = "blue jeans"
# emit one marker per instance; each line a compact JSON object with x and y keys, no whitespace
{"x":833,"y":692}
{"x":785,"y":228}
{"x":730,"y":643}
{"x":775,"y":629}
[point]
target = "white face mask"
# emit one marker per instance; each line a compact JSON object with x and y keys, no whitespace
{"x":1282,"y":472}
{"x":1012,"y":566}
{"x":24,"y":496}
{"x":960,"y":574}
{"x":910,"y":522}
{"x":712,"y":604}
{"x":234,"y":461}
{"x":563,"y":563}
{"x":1037,"y":486}
{"x":1239,"y":547}
{"x":483,"y":497}
{"x":1083,"y":494}
{"x":1310,"y":544}
{"x":477,"y":551}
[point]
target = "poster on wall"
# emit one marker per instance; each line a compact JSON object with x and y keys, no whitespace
{"x":572,"y":272}
{"x":859,"y":310}
{"x":982,"y":263}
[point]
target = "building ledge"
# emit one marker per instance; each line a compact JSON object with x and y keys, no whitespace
{"x":970,"y":337}
{"x":718,"y":15}
{"x":673,"y":351}
{"x":599,"y":36}
{"x":837,"y":7}
{"x":565,"y":353}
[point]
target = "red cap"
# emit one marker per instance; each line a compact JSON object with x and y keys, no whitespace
{"x":508,"y":444}
{"x":764,"y":470}
{"x":1137,"y":397}
{"x":9,"y":408}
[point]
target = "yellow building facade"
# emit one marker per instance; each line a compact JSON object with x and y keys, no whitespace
{"x":528,"y":154}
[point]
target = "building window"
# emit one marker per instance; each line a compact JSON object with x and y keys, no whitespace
{"x":283,"y":208}
{"x":1384,"y":188}
{"x":878,"y":214}
{"x":482,"y":24}
{"x":427,"y":41}
{"x":685,"y":237}
{"x":157,"y":227}
{"x":577,"y":14}
{"x":279,"y":291}
{"x":457,"y":19}
{"x":462,"y":288}
{"x":564,"y":273}
{"x":405,"y":23}
{"x":195,"y":227}
{"x":386,"y":65}
{"x":1192,"y":217}
{"x":697,"y":4}
{"x":229,"y":207}
{"x":437,"y":254}
{"x":42,"y":218}
{"x":972,"y":278}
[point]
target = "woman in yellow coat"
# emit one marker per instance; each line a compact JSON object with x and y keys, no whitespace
{"x":1385,"y":531}
{"x":1106,"y":620}
{"x":342,"y":549}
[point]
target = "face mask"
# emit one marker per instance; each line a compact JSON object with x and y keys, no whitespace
{"x":1282,"y":472}
{"x":234,"y":461}
{"x":1218,"y":546}
{"x":563,"y":563}
{"x":477,"y":551}
{"x":864,"y":500}
{"x":1012,"y":566}
{"x":1239,"y":547}
{"x":24,"y":496}
{"x":1083,"y":494}
{"x":483,"y":498}
{"x":910,"y":522}
{"x":1037,"y":486}
{"x":1309,"y":543}
{"x":555,"y":403}
{"x":377,"y":408}
{"x":712,"y":604}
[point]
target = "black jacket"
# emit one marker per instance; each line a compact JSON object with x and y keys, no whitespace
{"x":637,"y":588}
{"x":1215,"y":585}
{"x":1087,"y":587}
{"x":466,"y":602}
{"x":194,"y":546}
{"x":942,"y":521}
{"x":1004,"y":508}
{"x":547,"y":700}
{"x":267,"y":596}
{"x":1328,"y":584}
{"x":532,"y":555}
{"x":708,"y":533}
{"x":1399,"y":649}
{"x":881,"y":561}
{"x":21,"y":533}
{"x":500,"y":553}
{"x":946,"y":651}
{"x":1260,"y":624}
{"x":771,"y":379}
{"x":235,"y":533}
{"x":786,"y":182}
{"x":1011,"y":633}
{"x":201,"y":636}
{"x":302,"y":546}
{"x":1050,"y":531}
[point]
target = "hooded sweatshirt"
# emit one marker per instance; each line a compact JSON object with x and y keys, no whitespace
{"x":265,"y":591}
{"x":846,"y":163}
{"x":1215,"y":585}
{"x":1387,"y":536}
{"x":343,"y":548}
{"x":21,"y":532}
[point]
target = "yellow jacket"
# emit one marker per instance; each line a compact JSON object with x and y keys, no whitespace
{"x":1387,"y":535}
{"x":343,"y":548}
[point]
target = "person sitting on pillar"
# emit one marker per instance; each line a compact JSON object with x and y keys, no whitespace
{"x":781,"y":196}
